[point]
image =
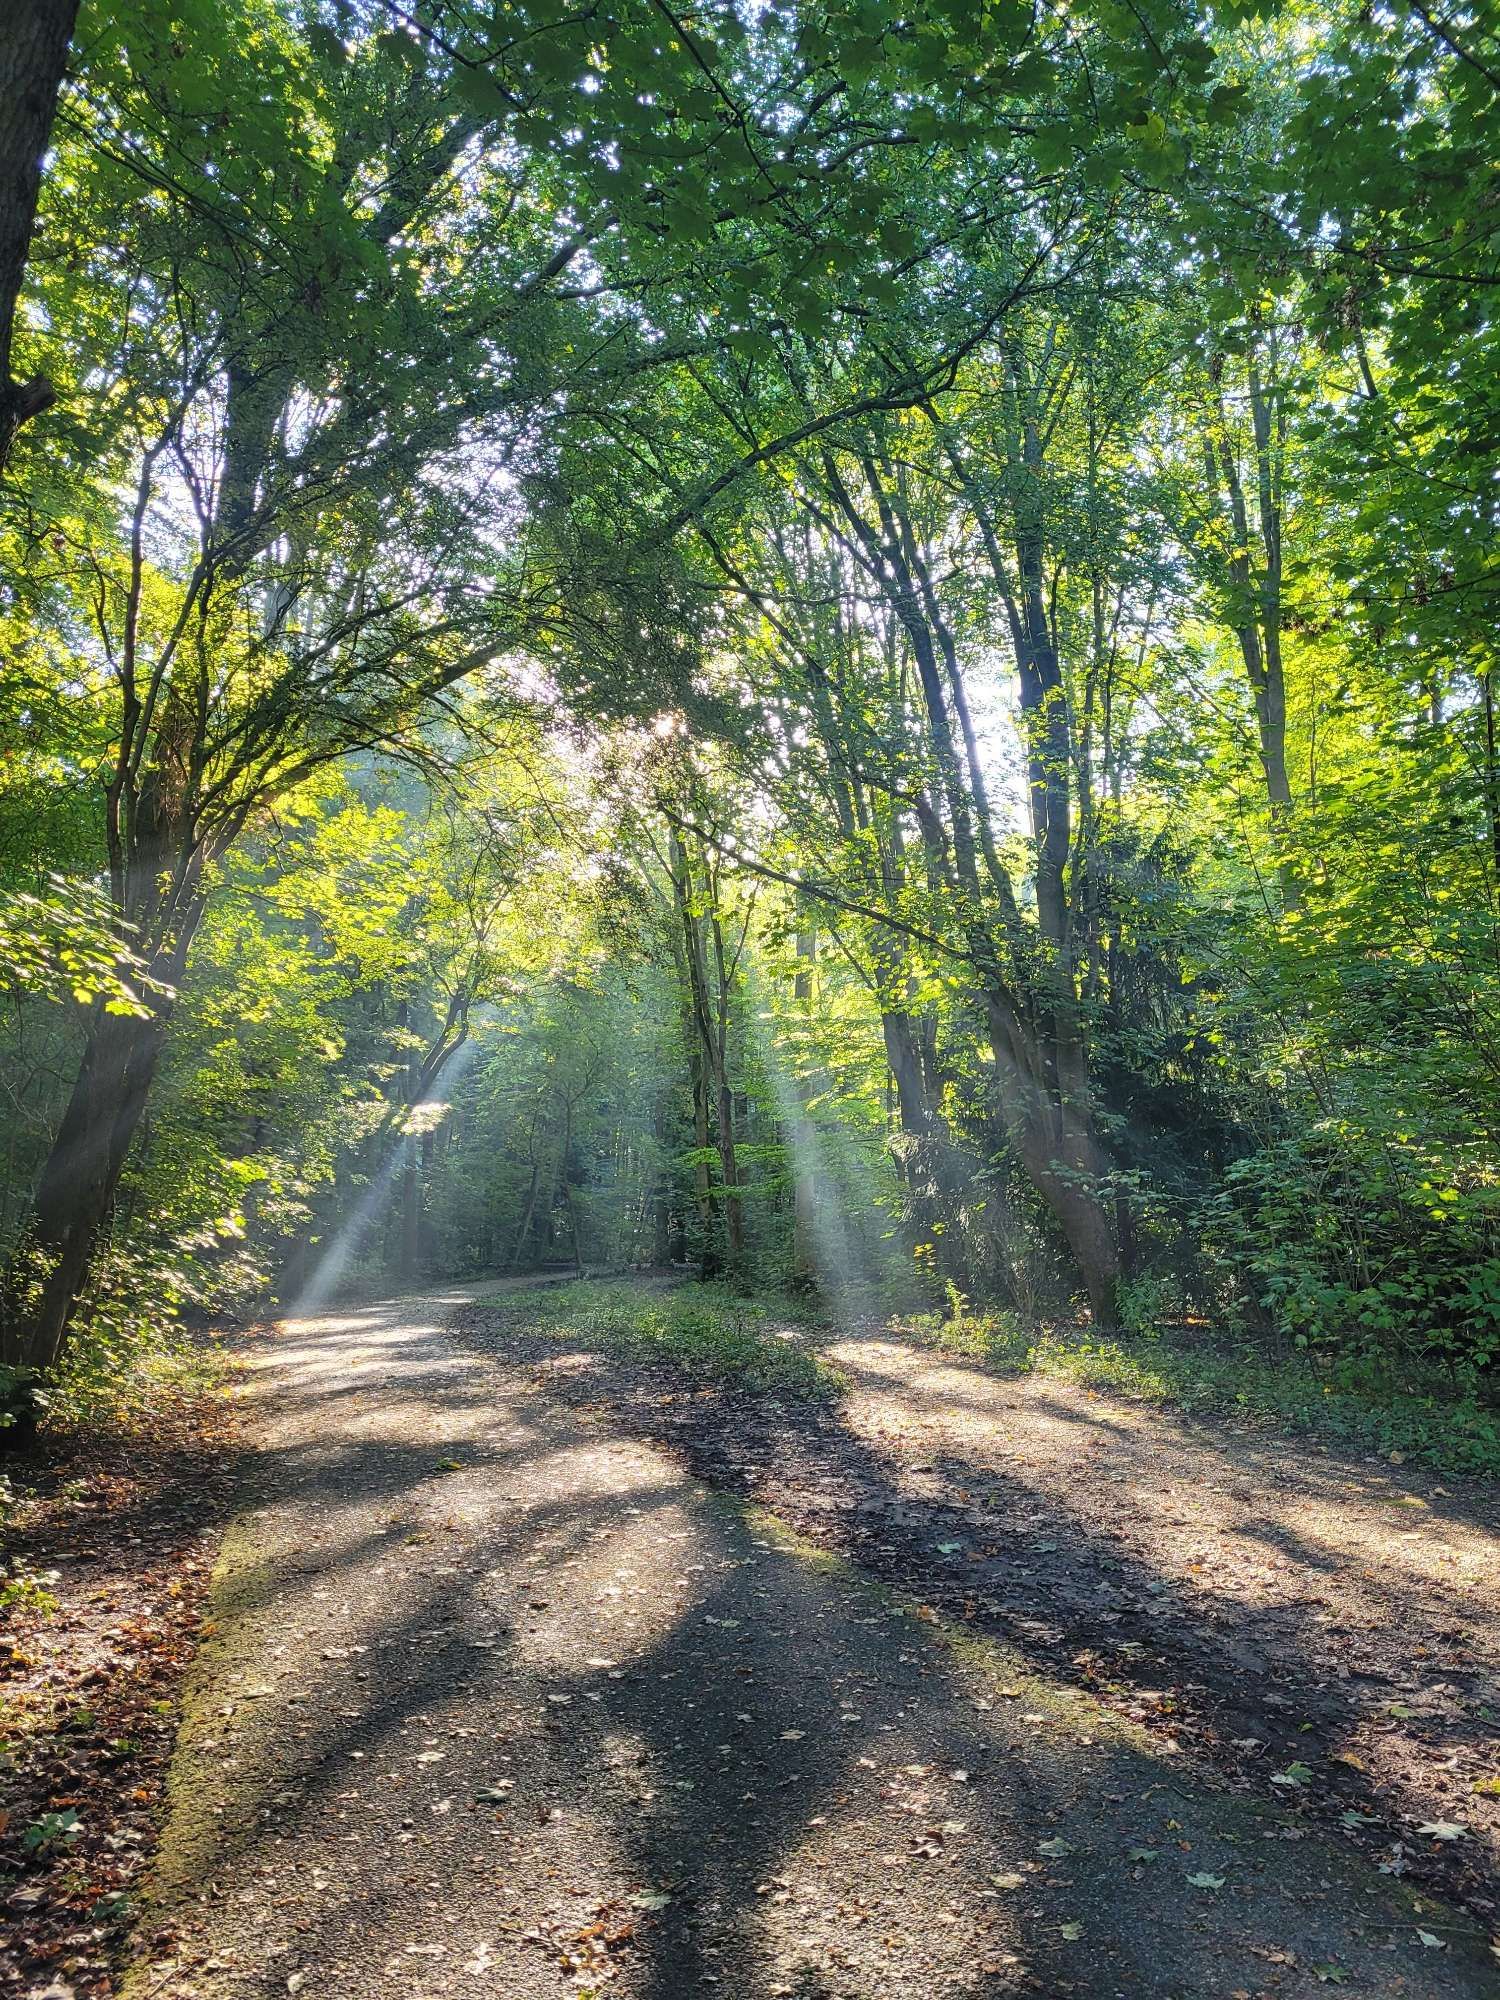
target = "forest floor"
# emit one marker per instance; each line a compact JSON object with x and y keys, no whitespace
{"x":537,"y":1672}
{"x":110,"y":1537}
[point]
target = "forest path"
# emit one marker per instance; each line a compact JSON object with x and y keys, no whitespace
{"x":501,"y":1701}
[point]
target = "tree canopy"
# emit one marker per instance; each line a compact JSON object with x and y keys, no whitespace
{"x":848,"y":647}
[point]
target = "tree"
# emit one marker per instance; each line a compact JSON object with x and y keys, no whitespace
{"x":1006,"y":492}
{"x":33,"y":55}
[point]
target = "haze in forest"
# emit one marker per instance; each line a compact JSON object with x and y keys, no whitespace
{"x":749,"y":999}
{"x":849,"y":654}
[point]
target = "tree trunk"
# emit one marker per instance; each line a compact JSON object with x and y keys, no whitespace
{"x":33,"y":55}
{"x":1088,"y":1230}
{"x":709,"y":1260}
{"x":663,"y":1225}
{"x":47,"y":1271}
{"x":523,"y":1235}
{"x":76,"y":1192}
{"x":568,"y":1197}
{"x":661,"y":1194}
{"x":573,"y":1228}
{"x":411,"y":1207}
{"x":1258,"y":612}
{"x":426,"y":1249}
{"x":734,"y":1214}
{"x":713,"y":1106}
{"x":799,"y":1137}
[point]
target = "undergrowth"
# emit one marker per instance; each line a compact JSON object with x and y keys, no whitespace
{"x":122,"y":1381}
{"x":1418,"y":1421}
{"x":710,"y":1334}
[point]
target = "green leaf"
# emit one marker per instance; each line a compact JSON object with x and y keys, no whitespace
{"x":402,"y":47}
{"x":478,"y":92}
{"x":1055,"y":146}
{"x":325,"y":43}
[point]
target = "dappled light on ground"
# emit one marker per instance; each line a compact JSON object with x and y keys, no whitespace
{"x":502,"y":1702}
{"x":1211,"y":1485}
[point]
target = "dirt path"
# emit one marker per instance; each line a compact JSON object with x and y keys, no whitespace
{"x":1296,"y":1620}
{"x":1336,"y":1610}
{"x":503,"y":1702}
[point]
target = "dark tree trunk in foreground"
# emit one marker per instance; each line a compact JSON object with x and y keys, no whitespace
{"x":77,"y":1188}
{"x":158,"y":910}
{"x":34,"y":38}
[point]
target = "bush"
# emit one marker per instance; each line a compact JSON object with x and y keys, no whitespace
{"x":1374,"y":1251}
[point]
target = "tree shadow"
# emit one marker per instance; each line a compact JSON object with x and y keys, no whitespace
{"x":1259,"y":1691}
{"x":606,"y":1723}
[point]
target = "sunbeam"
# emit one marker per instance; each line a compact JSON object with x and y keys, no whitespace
{"x":333,"y":1266}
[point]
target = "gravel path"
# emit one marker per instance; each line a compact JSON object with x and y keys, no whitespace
{"x":500,"y":1701}
{"x":1290,"y":1616}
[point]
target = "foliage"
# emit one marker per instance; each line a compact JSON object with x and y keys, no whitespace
{"x":61,"y":945}
{"x":54,"y":1829}
{"x":26,"y":1593}
{"x":853,"y":655}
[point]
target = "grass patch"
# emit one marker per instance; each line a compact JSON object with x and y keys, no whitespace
{"x":1423,"y":1425}
{"x":704,"y":1331}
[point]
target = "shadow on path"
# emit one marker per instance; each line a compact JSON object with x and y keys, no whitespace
{"x":502,"y":1702}
{"x":1121,"y":1555}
